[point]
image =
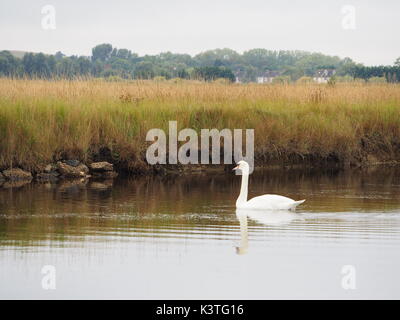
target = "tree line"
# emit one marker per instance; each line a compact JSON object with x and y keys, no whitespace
{"x":107,"y":61}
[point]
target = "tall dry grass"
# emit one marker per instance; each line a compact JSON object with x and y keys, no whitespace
{"x":42,"y":121}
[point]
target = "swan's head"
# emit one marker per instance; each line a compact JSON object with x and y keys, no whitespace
{"x":242,"y":166}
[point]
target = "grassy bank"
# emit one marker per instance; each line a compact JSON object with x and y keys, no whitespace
{"x":43,"y":121}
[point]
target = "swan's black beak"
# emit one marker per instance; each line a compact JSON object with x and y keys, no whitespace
{"x":235,"y":168}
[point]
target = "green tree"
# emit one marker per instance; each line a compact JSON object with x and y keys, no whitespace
{"x":124,"y":54}
{"x":102,"y":52}
{"x":28,"y":64}
{"x":84,"y":65}
{"x":8,"y":64}
{"x":144,"y":70}
{"x":212,"y":73}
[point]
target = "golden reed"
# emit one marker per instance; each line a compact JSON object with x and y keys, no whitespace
{"x":42,"y":121}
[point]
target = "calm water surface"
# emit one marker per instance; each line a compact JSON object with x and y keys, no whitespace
{"x":181,"y":238}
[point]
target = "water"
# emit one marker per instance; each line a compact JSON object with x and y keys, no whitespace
{"x":181,"y":238}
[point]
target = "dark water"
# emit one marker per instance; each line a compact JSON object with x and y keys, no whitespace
{"x":181,"y":237}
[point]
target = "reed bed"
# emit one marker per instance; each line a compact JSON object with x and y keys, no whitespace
{"x":42,"y":121}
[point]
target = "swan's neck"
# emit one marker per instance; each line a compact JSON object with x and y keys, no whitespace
{"x":243,"y":189}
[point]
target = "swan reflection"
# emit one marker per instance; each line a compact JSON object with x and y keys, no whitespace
{"x":268,"y":218}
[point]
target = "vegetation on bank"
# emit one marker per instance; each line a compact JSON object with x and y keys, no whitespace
{"x":45,"y":121}
{"x":107,"y":61}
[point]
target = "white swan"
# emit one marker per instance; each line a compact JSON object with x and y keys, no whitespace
{"x":264,"y":202}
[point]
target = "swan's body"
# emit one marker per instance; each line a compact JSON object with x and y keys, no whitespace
{"x":264,"y":202}
{"x":269,"y":202}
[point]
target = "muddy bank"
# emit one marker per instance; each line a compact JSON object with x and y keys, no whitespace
{"x":63,"y":171}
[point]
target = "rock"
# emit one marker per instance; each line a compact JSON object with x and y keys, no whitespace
{"x":103,"y":170}
{"x":69,"y":171}
{"x":47,"y":177}
{"x":72,"y":163}
{"x":50,"y":168}
{"x":101,"y":166}
{"x":17,"y":174}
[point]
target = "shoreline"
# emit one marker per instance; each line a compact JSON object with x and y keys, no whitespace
{"x":57,"y":176}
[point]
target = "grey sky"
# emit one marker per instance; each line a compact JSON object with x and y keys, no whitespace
{"x":186,"y":26}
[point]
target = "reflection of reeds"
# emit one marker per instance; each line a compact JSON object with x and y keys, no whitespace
{"x":42,"y":120}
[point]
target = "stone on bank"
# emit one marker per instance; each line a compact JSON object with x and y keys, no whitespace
{"x":17,"y":174}
{"x":72,"y":169}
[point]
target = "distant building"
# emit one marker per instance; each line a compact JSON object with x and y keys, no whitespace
{"x":323,"y":75}
{"x":268,"y":76}
{"x":240,"y":76}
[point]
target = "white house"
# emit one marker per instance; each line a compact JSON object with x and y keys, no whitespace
{"x":268,"y":76}
{"x":240,"y":76}
{"x":323,"y":75}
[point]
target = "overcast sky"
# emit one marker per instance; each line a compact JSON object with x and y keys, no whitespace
{"x":186,"y":26}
